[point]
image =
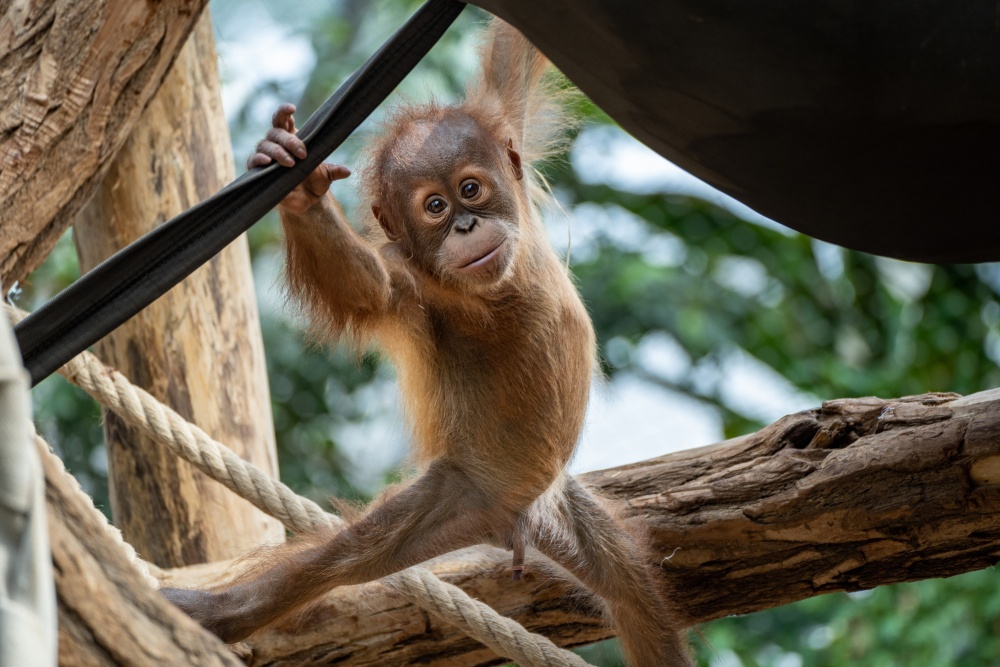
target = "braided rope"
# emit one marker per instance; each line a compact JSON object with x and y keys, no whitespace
{"x":448,"y":602}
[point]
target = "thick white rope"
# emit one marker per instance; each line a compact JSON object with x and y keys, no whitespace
{"x":448,"y":602}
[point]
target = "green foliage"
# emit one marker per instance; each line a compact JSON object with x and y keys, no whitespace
{"x":70,"y":421}
{"x":313,"y":397}
{"x":934,"y":623}
{"x":864,"y":327}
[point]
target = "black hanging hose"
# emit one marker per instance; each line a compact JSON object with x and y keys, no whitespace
{"x":136,"y":275}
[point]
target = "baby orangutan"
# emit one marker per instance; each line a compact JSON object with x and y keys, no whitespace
{"x":458,"y":285}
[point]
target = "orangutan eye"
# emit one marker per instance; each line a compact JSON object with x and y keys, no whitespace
{"x":469,"y":189}
{"x":436,"y":205}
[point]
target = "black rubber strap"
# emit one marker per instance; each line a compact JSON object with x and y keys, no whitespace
{"x":136,"y":275}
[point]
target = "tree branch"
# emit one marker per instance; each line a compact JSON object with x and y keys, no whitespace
{"x":856,"y":494}
{"x":75,"y":77}
{"x":860,"y":493}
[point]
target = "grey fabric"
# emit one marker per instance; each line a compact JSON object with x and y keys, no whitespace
{"x":27,"y":594}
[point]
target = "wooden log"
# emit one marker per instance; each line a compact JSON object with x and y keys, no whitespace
{"x":74,"y":77}
{"x":856,"y":494}
{"x":108,"y":614}
{"x":198,"y":348}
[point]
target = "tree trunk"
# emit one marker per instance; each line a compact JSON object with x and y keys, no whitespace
{"x":856,"y":494}
{"x":198,"y":348}
{"x":74,"y":77}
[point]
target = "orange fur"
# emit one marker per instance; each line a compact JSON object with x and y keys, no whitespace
{"x":495,"y":355}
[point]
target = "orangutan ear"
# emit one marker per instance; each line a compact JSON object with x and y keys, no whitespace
{"x":515,"y":160}
{"x":390,"y":229}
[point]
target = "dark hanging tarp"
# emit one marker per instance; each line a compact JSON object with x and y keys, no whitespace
{"x":871,"y":124}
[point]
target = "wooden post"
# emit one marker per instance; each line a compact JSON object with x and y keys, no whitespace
{"x":198,"y":348}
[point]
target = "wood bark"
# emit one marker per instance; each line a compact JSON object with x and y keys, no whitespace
{"x":853,"y":495}
{"x":74,"y":77}
{"x":198,"y":348}
{"x":108,"y":614}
